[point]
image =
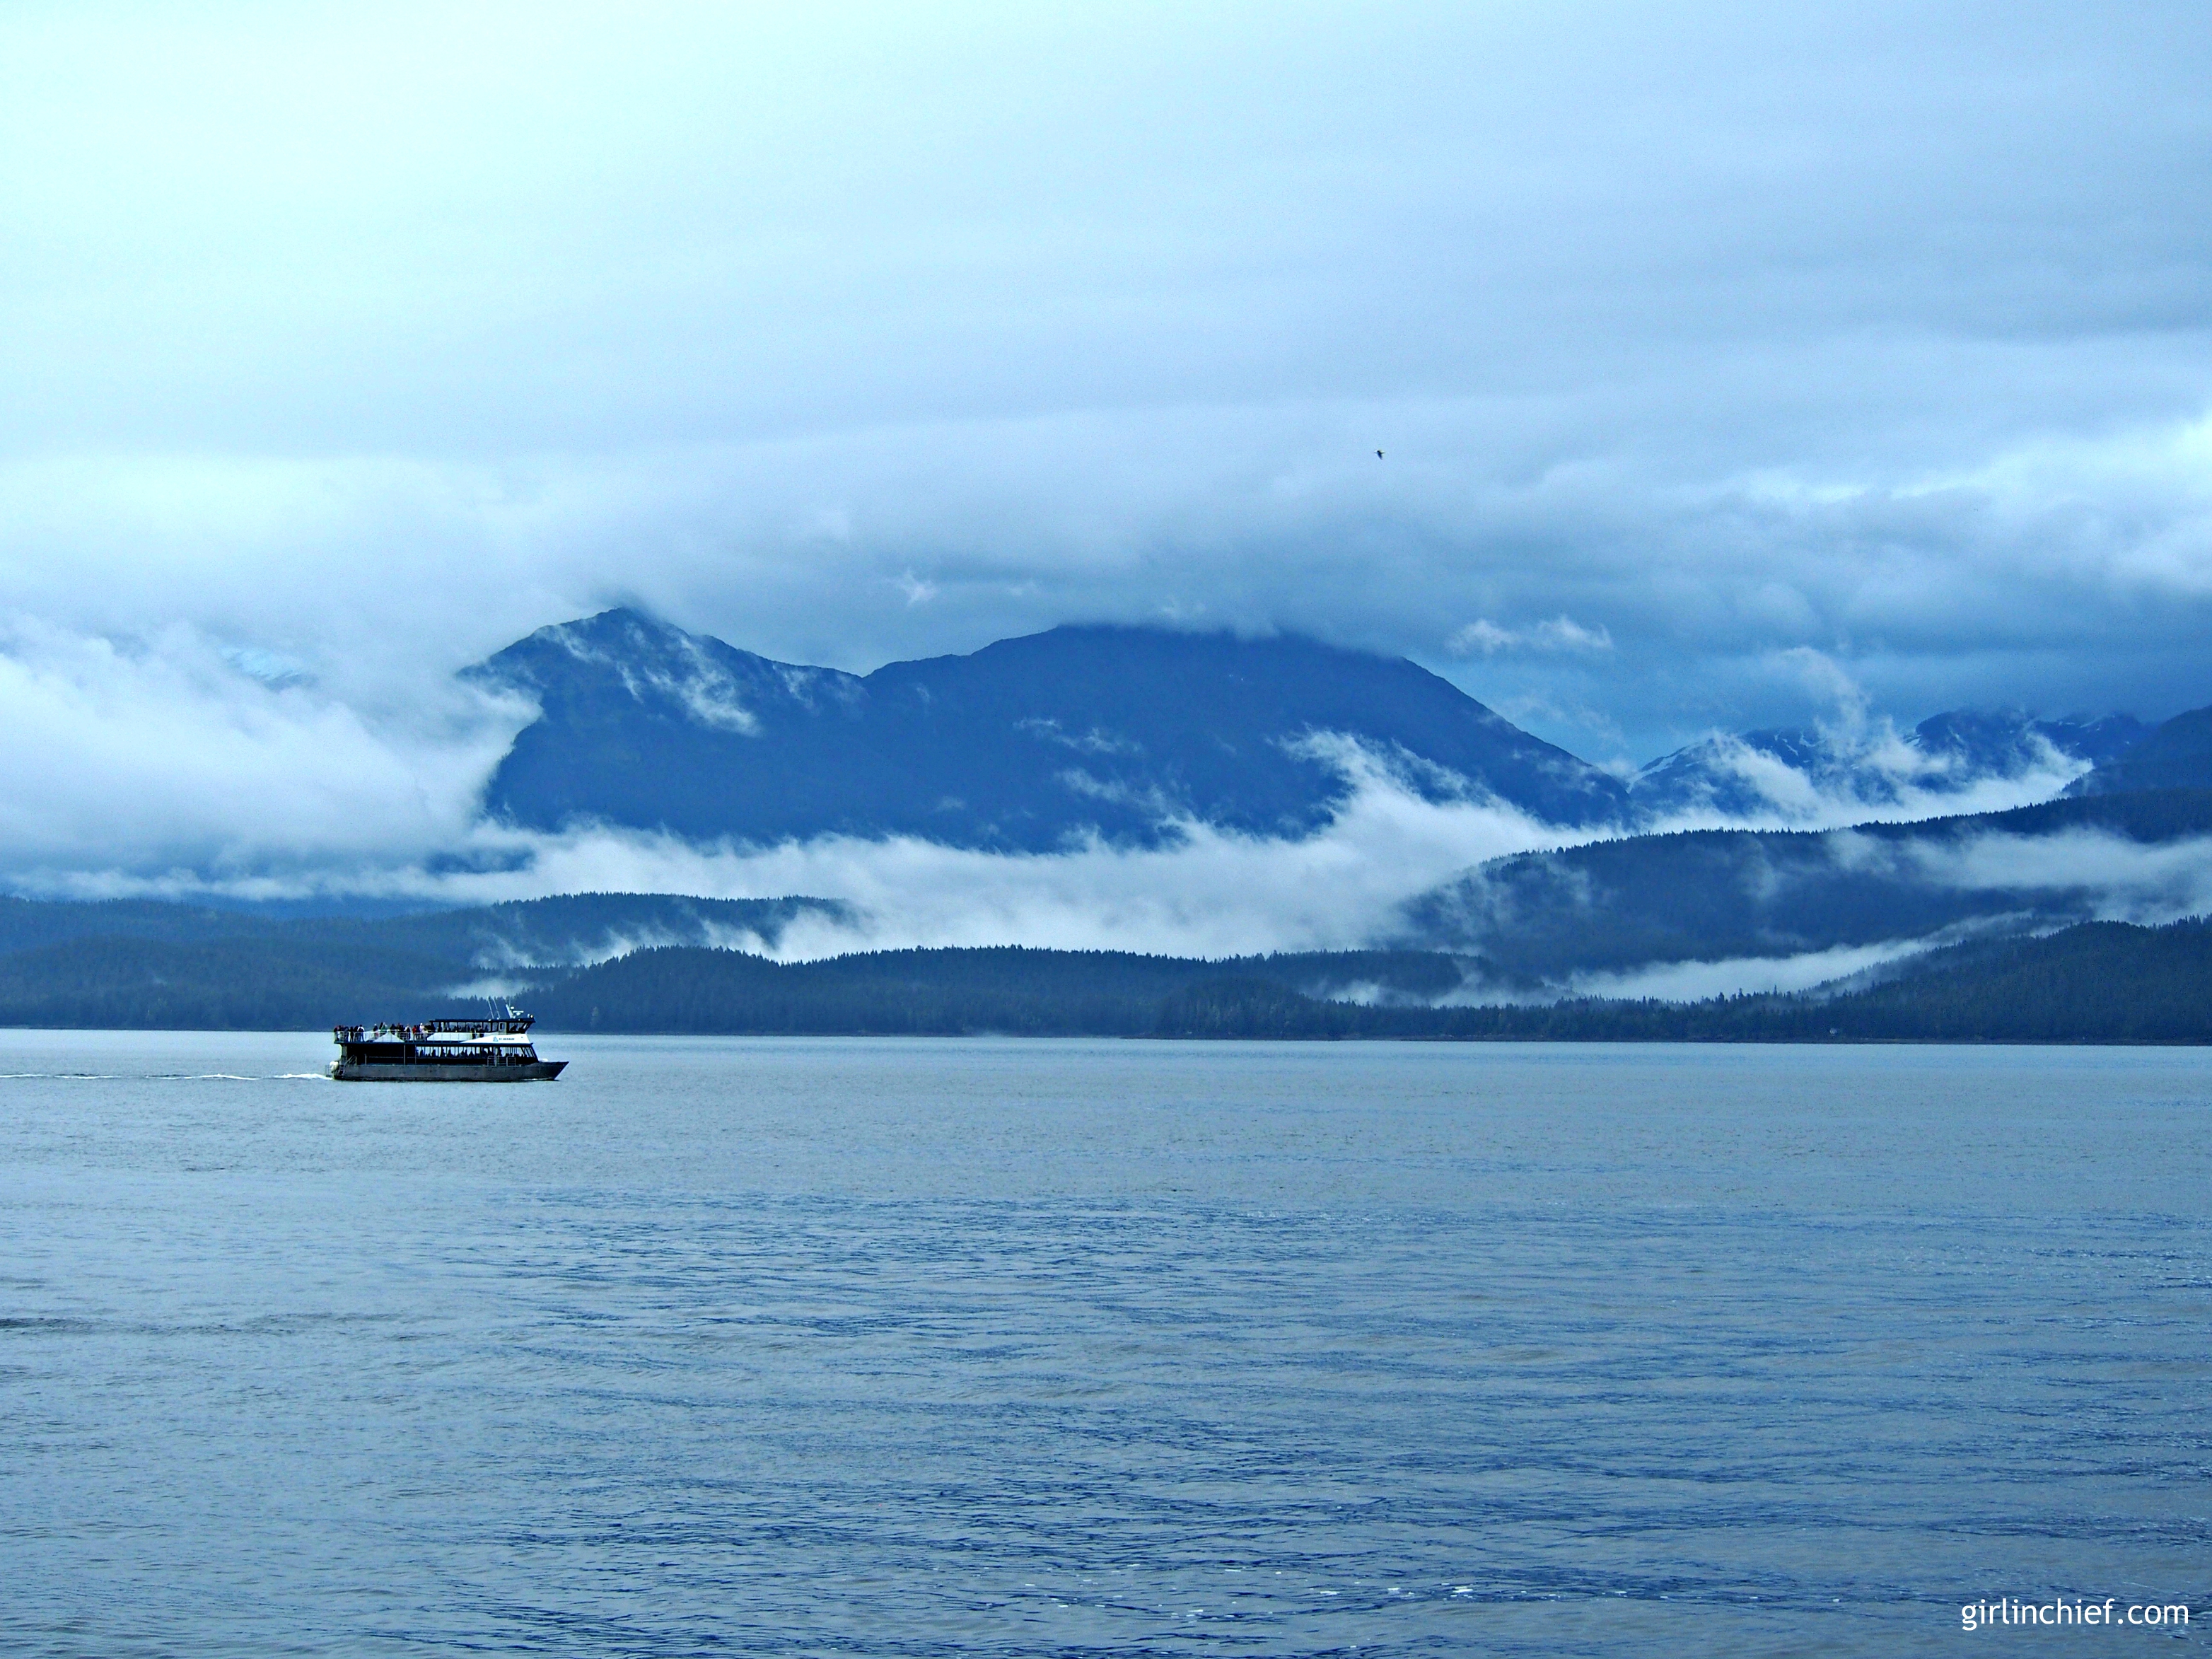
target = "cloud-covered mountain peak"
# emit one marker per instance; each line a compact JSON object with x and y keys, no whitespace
{"x":1029,"y":744}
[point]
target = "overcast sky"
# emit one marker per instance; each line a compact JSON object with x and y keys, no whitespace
{"x":1727,"y":361}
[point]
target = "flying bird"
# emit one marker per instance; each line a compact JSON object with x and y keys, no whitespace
{"x":1378,"y":454}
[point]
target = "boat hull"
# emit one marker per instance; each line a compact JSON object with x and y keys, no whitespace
{"x":385,"y":1070}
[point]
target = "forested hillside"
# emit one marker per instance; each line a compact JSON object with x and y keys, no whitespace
{"x":1004,"y":989}
{"x":145,"y":965}
{"x":2098,"y":982}
{"x":2095,"y":982}
{"x":1712,"y":895}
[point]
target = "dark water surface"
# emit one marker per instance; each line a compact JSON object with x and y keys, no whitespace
{"x":941,"y":1347}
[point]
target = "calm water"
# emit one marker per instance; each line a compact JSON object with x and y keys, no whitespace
{"x":943,"y":1347}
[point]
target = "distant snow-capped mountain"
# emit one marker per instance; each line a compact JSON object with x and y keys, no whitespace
{"x":1958,"y":762}
{"x":1027,"y":746}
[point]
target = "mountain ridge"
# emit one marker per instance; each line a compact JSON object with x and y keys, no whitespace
{"x":1128,"y":734}
{"x":1029,"y":744}
{"x":2176,"y":755}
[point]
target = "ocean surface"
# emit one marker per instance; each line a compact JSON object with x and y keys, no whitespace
{"x":726,"y":1346}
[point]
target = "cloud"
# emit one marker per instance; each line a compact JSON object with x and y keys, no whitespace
{"x":1215,"y":894}
{"x":1560,"y":634}
{"x":2115,"y":879}
{"x":167,"y":753}
{"x":1851,"y":766}
{"x":2073,"y":875}
{"x":1697,"y":982}
{"x":1870,"y":776}
{"x":1731,"y":340}
{"x":135,"y":769}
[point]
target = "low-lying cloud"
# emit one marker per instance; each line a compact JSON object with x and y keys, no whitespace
{"x":130,"y":761}
{"x":2114,"y":879}
{"x":1869,"y":777}
{"x":1216,"y":893}
{"x":1696,"y":981}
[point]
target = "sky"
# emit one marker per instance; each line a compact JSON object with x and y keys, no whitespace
{"x":1732,"y":366}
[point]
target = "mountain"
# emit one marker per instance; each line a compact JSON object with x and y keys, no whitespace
{"x":1028,"y":745}
{"x":2177,"y":756}
{"x":1718,"y":895}
{"x":1800,"y":775}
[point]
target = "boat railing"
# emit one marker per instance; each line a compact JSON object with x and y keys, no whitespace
{"x":435,"y":1030}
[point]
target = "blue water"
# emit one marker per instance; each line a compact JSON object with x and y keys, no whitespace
{"x":942,"y":1347}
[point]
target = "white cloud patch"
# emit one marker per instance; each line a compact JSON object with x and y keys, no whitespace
{"x":155,"y":754}
{"x":1217,"y":893}
{"x":1561,"y":633}
{"x":503,"y":957}
{"x":1867,"y":777}
{"x":2119,"y":879}
{"x":697,"y":683}
{"x":1696,"y":981}
{"x":1851,"y":766}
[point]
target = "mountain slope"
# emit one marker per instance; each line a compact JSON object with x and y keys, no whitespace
{"x":1006,"y":989}
{"x":2098,"y":982}
{"x":1716,"y":895}
{"x":2102,"y":981}
{"x":2177,"y":756}
{"x":1023,"y":746}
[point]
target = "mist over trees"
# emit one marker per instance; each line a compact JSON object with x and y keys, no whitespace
{"x":184,"y":969}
